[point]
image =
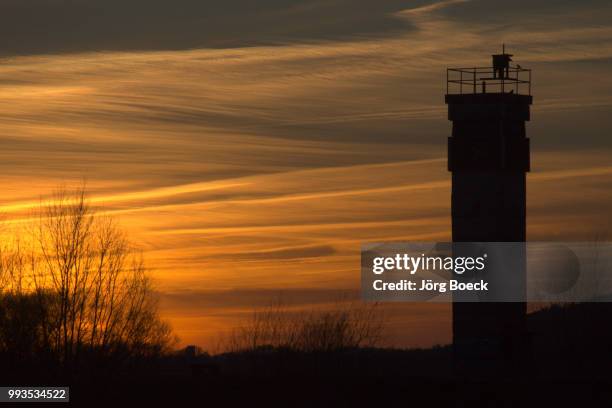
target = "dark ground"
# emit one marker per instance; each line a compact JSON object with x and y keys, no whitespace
{"x":572,"y":361}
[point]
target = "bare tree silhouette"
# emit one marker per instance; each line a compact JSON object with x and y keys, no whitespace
{"x":78,"y":290}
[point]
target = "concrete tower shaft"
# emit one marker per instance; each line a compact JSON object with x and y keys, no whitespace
{"x":488,"y":155}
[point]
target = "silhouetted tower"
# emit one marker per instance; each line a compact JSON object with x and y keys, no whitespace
{"x":488,"y":155}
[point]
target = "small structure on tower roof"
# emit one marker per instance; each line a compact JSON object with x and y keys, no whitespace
{"x":501,"y":64}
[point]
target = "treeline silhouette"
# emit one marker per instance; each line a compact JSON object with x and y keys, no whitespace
{"x":75,"y":301}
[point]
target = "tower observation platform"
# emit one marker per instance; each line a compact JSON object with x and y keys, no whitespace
{"x":488,"y":80}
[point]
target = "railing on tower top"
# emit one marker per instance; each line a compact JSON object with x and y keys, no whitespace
{"x":487,"y":80}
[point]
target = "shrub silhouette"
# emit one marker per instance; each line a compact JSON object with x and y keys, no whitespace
{"x":345,"y":326}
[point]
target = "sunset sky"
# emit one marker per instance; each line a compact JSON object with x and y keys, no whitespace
{"x":250,"y":148}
